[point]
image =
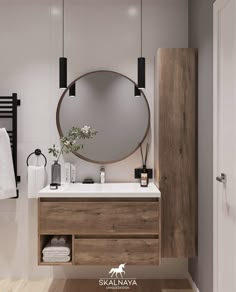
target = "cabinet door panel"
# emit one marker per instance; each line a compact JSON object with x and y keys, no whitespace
{"x":116,"y":251}
{"x":99,"y":217}
{"x":177,"y":136}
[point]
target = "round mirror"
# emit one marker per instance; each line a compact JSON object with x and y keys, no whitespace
{"x":105,"y":101}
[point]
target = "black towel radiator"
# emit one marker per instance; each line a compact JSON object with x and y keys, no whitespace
{"x":8,"y":110}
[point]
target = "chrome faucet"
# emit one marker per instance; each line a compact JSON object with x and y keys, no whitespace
{"x":102,"y":174}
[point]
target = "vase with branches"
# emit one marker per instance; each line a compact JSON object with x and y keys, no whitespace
{"x":69,"y":143}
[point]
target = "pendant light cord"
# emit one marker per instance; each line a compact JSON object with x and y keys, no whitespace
{"x":63,"y":28}
{"x":141,"y":28}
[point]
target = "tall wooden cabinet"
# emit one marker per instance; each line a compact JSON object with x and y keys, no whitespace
{"x":176,"y":149}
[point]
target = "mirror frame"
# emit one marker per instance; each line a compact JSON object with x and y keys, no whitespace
{"x":59,"y":125}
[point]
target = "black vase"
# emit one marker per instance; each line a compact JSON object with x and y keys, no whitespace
{"x":56,"y":173}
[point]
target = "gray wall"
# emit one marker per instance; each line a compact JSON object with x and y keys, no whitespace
{"x":201,"y":37}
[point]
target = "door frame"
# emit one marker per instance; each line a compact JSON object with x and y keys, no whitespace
{"x":219,"y":5}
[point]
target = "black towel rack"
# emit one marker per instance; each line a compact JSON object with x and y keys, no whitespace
{"x":8,"y":110}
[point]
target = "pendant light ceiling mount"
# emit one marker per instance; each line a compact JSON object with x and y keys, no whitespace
{"x":141,"y":60}
{"x":63,"y":60}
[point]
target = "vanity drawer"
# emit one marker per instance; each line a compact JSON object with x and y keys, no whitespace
{"x":98,"y":217}
{"x":116,"y":251}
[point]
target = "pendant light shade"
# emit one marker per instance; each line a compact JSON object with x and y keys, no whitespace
{"x":141,"y":60}
{"x":63,"y":60}
{"x":141,"y":73}
{"x":63,"y":72}
{"x":72,"y":90}
{"x":137,"y":92}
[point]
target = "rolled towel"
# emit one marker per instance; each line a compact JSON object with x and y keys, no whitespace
{"x":7,"y":175}
{"x":56,"y":259}
{"x":55,"y":240}
{"x":36,"y":180}
{"x":62,"y":240}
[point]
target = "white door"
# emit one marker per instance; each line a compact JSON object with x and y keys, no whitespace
{"x":225,"y":146}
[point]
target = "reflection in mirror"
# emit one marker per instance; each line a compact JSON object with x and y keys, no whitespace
{"x":105,"y":101}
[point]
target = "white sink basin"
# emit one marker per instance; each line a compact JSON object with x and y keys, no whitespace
{"x":107,"y":190}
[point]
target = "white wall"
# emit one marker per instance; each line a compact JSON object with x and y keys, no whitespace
{"x":100,"y":34}
{"x":201,"y":37}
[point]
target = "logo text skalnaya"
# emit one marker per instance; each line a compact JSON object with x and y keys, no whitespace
{"x":118,"y":282}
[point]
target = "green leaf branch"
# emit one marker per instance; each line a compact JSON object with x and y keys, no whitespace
{"x":71,"y":142}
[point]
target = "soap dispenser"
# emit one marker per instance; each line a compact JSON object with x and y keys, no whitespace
{"x":102,"y":174}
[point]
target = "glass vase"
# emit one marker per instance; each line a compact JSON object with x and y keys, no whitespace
{"x":56,"y":173}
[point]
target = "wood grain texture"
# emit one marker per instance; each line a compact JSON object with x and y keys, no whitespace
{"x":113,"y":251}
{"x":98,"y":217}
{"x":103,"y":232}
{"x":176,"y":166}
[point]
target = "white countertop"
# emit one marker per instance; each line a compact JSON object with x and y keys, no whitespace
{"x":107,"y":190}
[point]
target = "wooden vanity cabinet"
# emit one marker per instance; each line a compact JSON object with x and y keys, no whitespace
{"x":176,"y":149}
{"x":103,"y":231}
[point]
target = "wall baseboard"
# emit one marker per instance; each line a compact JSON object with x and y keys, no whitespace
{"x":192,"y":283}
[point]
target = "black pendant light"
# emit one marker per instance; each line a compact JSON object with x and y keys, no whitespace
{"x":63,"y":60}
{"x":141,"y":60}
{"x":137,"y":92}
{"x":72,"y":90}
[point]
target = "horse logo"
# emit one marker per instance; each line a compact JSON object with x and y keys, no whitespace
{"x":117,"y":271}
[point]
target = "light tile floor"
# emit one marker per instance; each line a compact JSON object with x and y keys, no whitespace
{"x":7,"y":285}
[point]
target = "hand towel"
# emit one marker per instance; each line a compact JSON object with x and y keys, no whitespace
{"x":56,"y":259}
{"x":56,"y":253}
{"x":36,"y":180}
{"x":49,"y":249}
{"x":7,"y":175}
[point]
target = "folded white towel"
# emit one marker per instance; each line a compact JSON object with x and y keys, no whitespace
{"x":36,"y":180}
{"x":7,"y":175}
{"x":52,"y":249}
{"x":66,"y":253}
{"x":61,"y":252}
{"x":56,"y":259}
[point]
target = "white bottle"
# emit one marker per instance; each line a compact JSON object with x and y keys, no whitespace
{"x":68,"y":172}
{"x":102,"y":174}
{"x":73,"y":173}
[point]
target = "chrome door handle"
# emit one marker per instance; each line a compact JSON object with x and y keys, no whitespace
{"x":221,"y":178}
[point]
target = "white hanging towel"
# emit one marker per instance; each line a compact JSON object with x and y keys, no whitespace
{"x":36,"y":180}
{"x":7,"y":175}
